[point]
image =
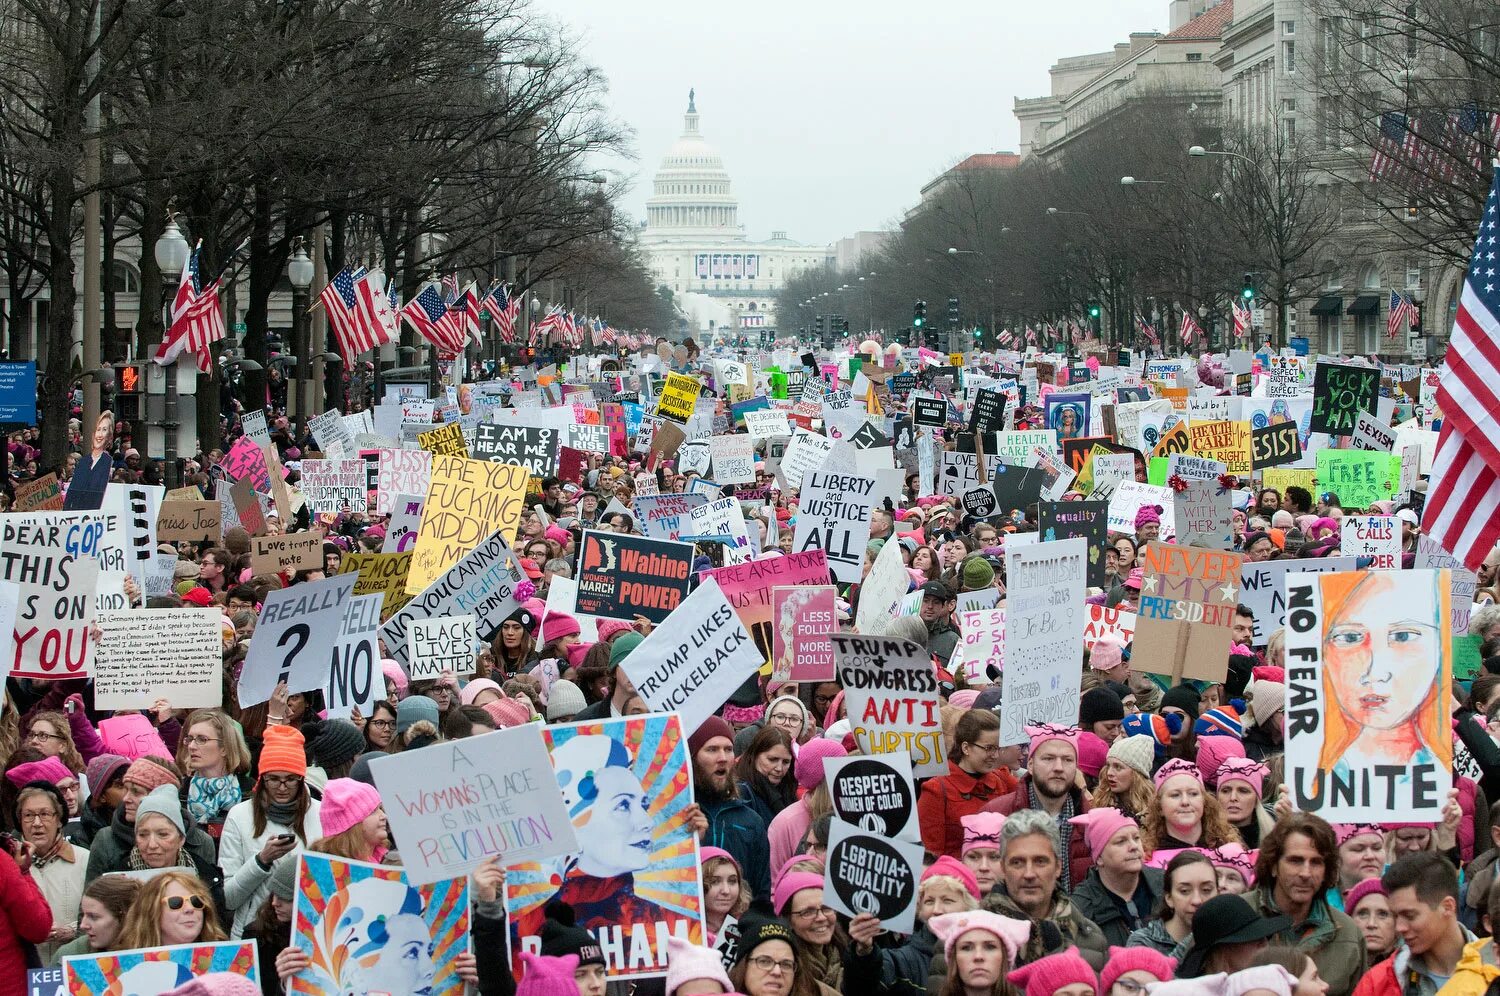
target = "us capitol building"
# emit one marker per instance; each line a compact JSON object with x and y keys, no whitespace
{"x":697,"y":247}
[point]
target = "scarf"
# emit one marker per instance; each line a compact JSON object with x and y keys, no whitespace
{"x":283,"y":813}
{"x":209,"y":798}
{"x":1064,"y":828}
{"x":138,"y":863}
{"x":823,"y":963}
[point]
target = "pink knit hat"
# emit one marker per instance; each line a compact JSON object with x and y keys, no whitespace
{"x":393,"y":671}
{"x":1268,"y":978}
{"x":706,"y":854}
{"x":1177,"y":766}
{"x":1099,"y":827}
{"x":789,"y":885}
{"x":346,"y":803}
{"x":558,"y":625}
{"x":686,"y":962}
{"x":810,"y":758}
{"x":217,"y":984}
{"x":963,"y":698}
{"x":546,"y":975}
{"x":1147,"y":514}
{"x":1252,"y":773}
{"x":1234,"y":857}
{"x":472,"y":689}
{"x":1345,"y":832}
{"x":1092,"y":753}
{"x":558,"y":535}
{"x":1051,"y":731}
{"x":1369,"y":887}
{"x":1214,"y":752}
{"x":949,"y":866}
{"x":1142,"y":959}
{"x":1012,"y":933}
{"x":1108,"y":653}
{"x":508,"y":712}
{"x":150,"y":775}
{"x":745,"y":715}
{"x":577,"y":652}
{"x":1046,"y":976}
{"x":981,"y":830}
{"x":48,"y":769}
{"x":611,"y":628}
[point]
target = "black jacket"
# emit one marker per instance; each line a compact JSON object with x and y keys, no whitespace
{"x":1096,"y":902}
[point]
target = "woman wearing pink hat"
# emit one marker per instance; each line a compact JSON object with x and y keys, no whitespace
{"x":1062,"y":974}
{"x":1240,"y":788}
{"x":1184,"y":814}
{"x":947,"y":886}
{"x":1131,"y":970}
{"x":821,"y":941}
{"x":1369,"y":905}
{"x":979,"y":948}
{"x":726,"y":897}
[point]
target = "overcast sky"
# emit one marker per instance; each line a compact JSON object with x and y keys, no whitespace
{"x":831,"y":114}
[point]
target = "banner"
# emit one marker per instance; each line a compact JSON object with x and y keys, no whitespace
{"x":382,"y":574}
{"x":149,"y":654}
{"x":1340,"y":392}
{"x":294,"y":638}
{"x":1369,"y":680}
{"x":461,"y":801}
{"x":1086,"y":520}
{"x":1358,"y":477}
{"x":634,"y":880}
{"x":891,"y":695}
{"x":151,"y":971}
{"x":467,"y":500}
{"x":1043,"y":634}
{"x":482,"y":583}
{"x":871,"y":873}
{"x":289,"y":552}
{"x":749,"y":589}
{"x":627,"y":576}
{"x":805,"y":616}
{"x":368,"y":930}
{"x":1186,"y":610}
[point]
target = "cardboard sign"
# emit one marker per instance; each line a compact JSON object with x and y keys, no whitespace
{"x":382,"y":574}
{"x":467,"y":500}
{"x":805,"y":616}
{"x":289,"y":552}
{"x":1370,"y":433}
{"x":482,"y":583}
{"x":1043,"y":631}
{"x":188,"y":522}
{"x":1359,"y":478}
{"x":466,"y":800}
{"x":834,"y":516}
{"x":49,"y":607}
{"x":627,"y":576}
{"x":891,"y":695}
{"x":871,"y":873}
{"x":1088,"y":520}
{"x":1369,"y":679}
{"x":1375,"y":536}
{"x":1188,"y":596}
{"x":182,"y":651}
{"x":44,"y":494}
{"x":400,"y":472}
{"x":1275,"y":445}
{"x":533,"y":447}
{"x":446,"y":440}
{"x":294,"y":638}
{"x":247,"y":508}
{"x":1201,"y":515}
{"x":694,"y":661}
{"x":438,"y":645}
{"x":1263,"y":588}
{"x":679,"y":397}
{"x":1340,"y":392}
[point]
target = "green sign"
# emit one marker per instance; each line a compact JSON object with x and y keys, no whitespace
{"x":239,"y":328}
{"x":1359,"y":477}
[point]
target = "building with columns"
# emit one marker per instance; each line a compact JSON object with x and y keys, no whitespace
{"x":696,"y":246}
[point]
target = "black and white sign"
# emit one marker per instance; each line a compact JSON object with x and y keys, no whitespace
{"x":875,"y":794}
{"x":868,"y":873}
{"x":931,"y":412}
{"x":294,"y":638}
{"x":533,"y":447}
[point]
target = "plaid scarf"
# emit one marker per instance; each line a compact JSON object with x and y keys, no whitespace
{"x":1064,"y":828}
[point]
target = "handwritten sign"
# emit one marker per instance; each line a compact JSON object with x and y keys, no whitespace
{"x":482,"y":583}
{"x":334,"y":486}
{"x":150,"y":654}
{"x":467,"y":500}
{"x":1375,"y":536}
{"x":438,"y":645}
{"x":834,"y":516}
{"x":446,"y":440}
{"x":288,"y":552}
{"x":294,"y":638}
{"x":188,"y":522}
{"x":53,"y":609}
{"x":1043,"y":633}
{"x":533,"y":447}
{"x":1340,"y":392}
{"x":1359,"y":478}
{"x":1188,"y":596}
{"x":400,"y":472}
{"x":891,"y":693}
{"x":1263,"y":588}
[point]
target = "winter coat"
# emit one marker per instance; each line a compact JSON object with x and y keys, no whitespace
{"x":1479,"y":875}
{"x":900,"y":971}
{"x":25,"y":921}
{"x":1077,"y":930}
{"x":110,"y":849}
{"x":1079,"y":858}
{"x":734,"y":826}
{"x":1333,"y":940}
{"x":787,"y":831}
{"x":1478,"y":970}
{"x":1396,"y":976}
{"x":246,"y":883}
{"x":1259,"y":745}
{"x":945,"y":800}
{"x":1096,"y":902}
{"x":1154,"y":935}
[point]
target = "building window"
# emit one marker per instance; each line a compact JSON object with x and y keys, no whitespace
{"x":1289,"y":105}
{"x":1413,"y":274}
{"x":1289,"y":128}
{"x":1289,"y":27}
{"x":124,"y":279}
{"x":1289,"y":57}
{"x":1366,"y":333}
{"x":1328,"y":334}
{"x":1195,"y":57}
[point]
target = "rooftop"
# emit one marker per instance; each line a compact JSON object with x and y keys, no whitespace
{"x":1207,"y":26}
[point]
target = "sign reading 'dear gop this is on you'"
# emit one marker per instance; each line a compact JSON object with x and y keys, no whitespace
{"x":466,"y":800}
{"x":871,"y":873}
{"x":1188,"y":596}
{"x":891,"y":694}
{"x":466,"y":501}
{"x":875,"y":794}
{"x":1043,"y":631}
{"x":1369,"y":673}
{"x":694,"y":661}
{"x":51,"y":613}
{"x":622,"y":577}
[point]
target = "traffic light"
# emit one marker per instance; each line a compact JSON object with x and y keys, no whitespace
{"x":1247,"y":290}
{"x":1094,"y":313}
{"x":919,"y":314}
{"x":844,"y":326}
{"x":1093,"y":310}
{"x":820,"y":322}
{"x":978,"y":337}
{"x":953,"y":313}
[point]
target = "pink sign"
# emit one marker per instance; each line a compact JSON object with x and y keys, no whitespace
{"x":748,"y":587}
{"x":804,"y":616}
{"x":246,"y":459}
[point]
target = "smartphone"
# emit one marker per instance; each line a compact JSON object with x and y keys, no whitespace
{"x":284,"y":838}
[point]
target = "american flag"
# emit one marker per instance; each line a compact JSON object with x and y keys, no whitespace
{"x":503,"y":307}
{"x":1190,"y":329}
{"x":551,"y":322}
{"x":200,"y":325}
{"x":1397,"y":141}
{"x":1030,"y":334}
{"x":1007,"y":338}
{"x":450,"y":288}
{"x":188,"y":287}
{"x":358,"y":311}
{"x":1148,"y":331}
{"x":1462,"y":512}
{"x":1401,"y":317}
{"x":1464,"y":142}
{"x":434,"y":322}
{"x":466,"y":307}
{"x":1241,"y":319}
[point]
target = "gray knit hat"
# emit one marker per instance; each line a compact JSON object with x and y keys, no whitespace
{"x":284,"y":877}
{"x":333,"y":741}
{"x":564,"y":700}
{"x":164,"y":801}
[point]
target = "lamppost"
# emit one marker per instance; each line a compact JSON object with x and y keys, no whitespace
{"x":299,"y":272}
{"x":171,"y":252}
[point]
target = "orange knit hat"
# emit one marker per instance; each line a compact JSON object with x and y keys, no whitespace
{"x":283,"y":751}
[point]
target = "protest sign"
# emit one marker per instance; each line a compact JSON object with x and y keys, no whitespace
{"x":1370,"y":433}
{"x":694,"y":661}
{"x":1375,"y":536}
{"x":1431,"y":556}
{"x":533,"y":447}
{"x":1201,"y":515}
{"x":1101,"y":621}
{"x":54,"y":607}
{"x":841,"y":416}
{"x":767,"y":424}
{"x":1188,"y":596}
{"x":1284,"y":377}
{"x":247,"y":508}
{"x":334,"y":486}
{"x":1358,"y":477}
{"x":665,"y":516}
{"x":834,"y":516}
{"x":1043,"y":631}
{"x":467,"y":500}
{"x":1224,"y":441}
{"x":871,"y":873}
{"x":874,"y":794}
{"x":931,"y":412}
{"x":462,"y":801}
{"x":382,"y":574}
{"x":401,"y":531}
{"x":149,"y":654}
{"x":44,"y":494}
{"x":294,"y":638}
{"x":987,"y":413}
{"x":400,"y":472}
{"x":891,"y":695}
{"x":188,"y":522}
{"x":355,"y":659}
{"x":1056,"y":478}
{"x":441,"y":644}
{"x":1130,"y":497}
{"x":137,"y":506}
{"x":1195,"y":468}
{"x":359,"y":924}
{"x":1369,"y":677}
{"x":881,"y":591}
{"x":1274,"y":445}
{"x":805,"y":453}
{"x":1340,"y":392}
{"x":627,"y":576}
{"x":254,"y":425}
{"x":1263,"y":588}
{"x":679,"y":396}
{"x":288,"y":552}
{"x":723,"y":517}
{"x":1088,"y":520}
{"x":246,"y":460}
{"x":333,"y":435}
{"x":588,"y":438}
{"x":482,"y":583}
{"x":634,"y":880}
{"x":748,"y":588}
{"x":983,"y":644}
{"x":804,"y":615}
{"x":45,"y":981}
{"x":150,"y":971}
{"x":734,"y":459}
{"x":445,"y":440}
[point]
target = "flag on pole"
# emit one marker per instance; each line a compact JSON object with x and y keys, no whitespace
{"x":1147,"y":330}
{"x":466,"y":305}
{"x":1241,"y":319}
{"x":503,"y":307}
{"x":1393,"y":143}
{"x":1401,"y":317}
{"x":359,"y":312}
{"x":434,"y":322}
{"x":188,"y":288}
{"x":200,"y":325}
{"x":1462,"y":512}
{"x":1190,"y":329}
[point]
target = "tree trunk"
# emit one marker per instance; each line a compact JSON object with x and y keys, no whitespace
{"x":153,"y":222}
{"x":55,"y":394}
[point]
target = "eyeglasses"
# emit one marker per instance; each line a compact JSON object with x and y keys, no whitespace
{"x":281,"y":781}
{"x":198,"y":741}
{"x":812,"y":913}
{"x":384,"y":724}
{"x":767,"y":964}
{"x":175,"y":903}
{"x":40,"y":816}
{"x":42,"y":735}
{"x":1126,"y":987}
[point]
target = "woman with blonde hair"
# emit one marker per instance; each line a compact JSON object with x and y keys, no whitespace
{"x":1125,"y":778}
{"x":1184,"y":814}
{"x":353,"y":822}
{"x":213,"y":754}
{"x":50,"y":733}
{"x":172,"y":908}
{"x":726,"y":897}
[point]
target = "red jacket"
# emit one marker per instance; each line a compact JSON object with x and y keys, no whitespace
{"x":947,"y":799}
{"x":24,"y":915}
{"x":1079,"y":858}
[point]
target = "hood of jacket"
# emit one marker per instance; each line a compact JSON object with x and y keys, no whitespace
{"x":1480,"y":961}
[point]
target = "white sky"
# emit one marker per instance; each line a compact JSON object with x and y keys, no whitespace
{"x":830,"y":114}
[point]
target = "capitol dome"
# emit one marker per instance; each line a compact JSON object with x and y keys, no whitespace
{"x":690,"y":194}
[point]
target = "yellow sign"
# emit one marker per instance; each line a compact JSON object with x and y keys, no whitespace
{"x":1282,"y":478}
{"x":1174,"y":441}
{"x":446,"y":439}
{"x":679,"y":396}
{"x":955,"y":359}
{"x":1227,"y":442}
{"x":381,"y":574}
{"x":466,"y":501}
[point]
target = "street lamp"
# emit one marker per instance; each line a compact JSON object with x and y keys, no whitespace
{"x":299,"y":272}
{"x":171,"y":252}
{"x":1130,"y":181}
{"x":1198,"y":152}
{"x":1056,"y":211}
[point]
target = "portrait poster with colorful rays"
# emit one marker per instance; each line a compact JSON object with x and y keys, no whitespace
{"x":627,"y":784}
{"x":368,"y":931}
{"x":149,"y":971}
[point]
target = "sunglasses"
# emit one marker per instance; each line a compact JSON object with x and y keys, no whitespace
{"x":175,"y":903}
